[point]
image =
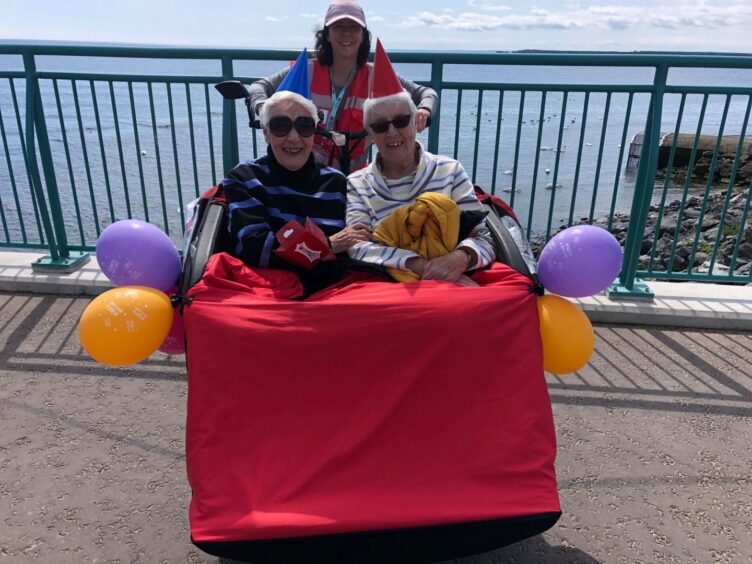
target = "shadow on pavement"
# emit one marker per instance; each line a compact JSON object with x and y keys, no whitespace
{"x":534,"y":550}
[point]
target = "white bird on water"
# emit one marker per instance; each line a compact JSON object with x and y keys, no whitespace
{"x":143,"y":153}
{"x":547,"y":171}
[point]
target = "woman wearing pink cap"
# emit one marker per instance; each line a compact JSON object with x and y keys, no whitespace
{"x":340,"y":76}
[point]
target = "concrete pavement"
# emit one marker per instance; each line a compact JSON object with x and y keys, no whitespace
{"x":653,"y":454}
{"x":653,"y":449}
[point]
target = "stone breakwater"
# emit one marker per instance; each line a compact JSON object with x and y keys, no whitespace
{"x":700,"y":227}
{"x":721,"y":173}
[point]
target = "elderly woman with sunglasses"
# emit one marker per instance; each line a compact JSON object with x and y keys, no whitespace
{"x":401,"y":172}
{"x":264,"y":194}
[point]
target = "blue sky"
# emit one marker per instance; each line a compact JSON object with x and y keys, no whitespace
{"x":626,"y":25}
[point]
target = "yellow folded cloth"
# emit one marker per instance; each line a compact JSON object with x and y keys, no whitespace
{"x":429,"y":226}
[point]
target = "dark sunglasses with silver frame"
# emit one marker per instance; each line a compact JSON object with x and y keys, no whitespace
{"x":279,"y":126}
{"x":399,"y":122}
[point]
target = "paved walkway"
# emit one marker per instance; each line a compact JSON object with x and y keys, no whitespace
{"x":653,"y":455}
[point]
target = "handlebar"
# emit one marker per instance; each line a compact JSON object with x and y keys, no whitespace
{"x":341,"y":138}
{"x":234,"y":90}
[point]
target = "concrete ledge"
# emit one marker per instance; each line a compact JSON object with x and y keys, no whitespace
{"x":678,"y":304}
{"x":16,"y":275}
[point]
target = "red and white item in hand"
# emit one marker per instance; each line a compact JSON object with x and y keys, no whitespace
{"x":303,"y":246}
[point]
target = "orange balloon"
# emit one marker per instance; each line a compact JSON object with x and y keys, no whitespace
{"x":566,"y":333}
{"x":125,"y":325}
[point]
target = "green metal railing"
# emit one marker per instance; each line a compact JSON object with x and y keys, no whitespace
{"x":86,"y":148}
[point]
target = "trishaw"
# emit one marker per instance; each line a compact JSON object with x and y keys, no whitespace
{"x":373,"y":421}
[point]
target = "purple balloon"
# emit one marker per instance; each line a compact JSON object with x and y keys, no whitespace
{"x":580,"y":261}
{"x":132,"y":252}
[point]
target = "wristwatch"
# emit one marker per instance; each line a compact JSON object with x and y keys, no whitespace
{"x":469,"y":257}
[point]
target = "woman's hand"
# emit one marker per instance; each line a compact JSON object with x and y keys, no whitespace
{"x":421,"y":119}
{"x":449,"y":267}
{"x":416,"y":264}
{"x":343,"y":240}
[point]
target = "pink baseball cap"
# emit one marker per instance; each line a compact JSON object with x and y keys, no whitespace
{"x":344,"y":9}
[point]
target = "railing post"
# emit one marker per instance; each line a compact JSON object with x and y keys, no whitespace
{"x":230,"y":153}
{"x":437,"y":73}
{"x":60,"y":257}
{"x":628,"y":285}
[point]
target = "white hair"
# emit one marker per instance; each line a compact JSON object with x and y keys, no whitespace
{"x":268,"y":109}
{"x":387,"y":101}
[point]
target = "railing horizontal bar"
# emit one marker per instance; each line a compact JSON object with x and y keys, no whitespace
{"x":733,"y":90}
{"x":543,"y":87}
{"x":26,"y":245}
{"x":450,"y":85}
{"x":151,"y":78}
{"x":695,"y":276}
{"x":540,"y":58}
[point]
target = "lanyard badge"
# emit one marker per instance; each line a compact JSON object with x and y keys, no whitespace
{"x":337,"y":99}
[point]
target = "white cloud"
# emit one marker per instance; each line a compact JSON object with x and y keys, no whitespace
{"x":469,"y":21}
{"x":488,"y":5}
{"x":607,"y":17}
{"x":310,"y":16}
{"x":272,"y":19}
{"x":375,"y":19}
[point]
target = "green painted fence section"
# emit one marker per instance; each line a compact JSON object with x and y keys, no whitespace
{"x":586,"y":138}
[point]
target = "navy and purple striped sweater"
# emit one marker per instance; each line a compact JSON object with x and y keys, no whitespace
{"x":262,"y":196}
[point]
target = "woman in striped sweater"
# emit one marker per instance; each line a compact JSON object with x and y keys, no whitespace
{"x":401,"y":172}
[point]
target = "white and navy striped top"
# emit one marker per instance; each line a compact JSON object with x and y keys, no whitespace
{"x":371,"y":198}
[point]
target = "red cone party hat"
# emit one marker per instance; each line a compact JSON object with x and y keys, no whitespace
{"x":384,"y":81}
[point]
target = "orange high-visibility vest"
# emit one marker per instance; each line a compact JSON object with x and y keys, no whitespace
{"x":349,"y":118}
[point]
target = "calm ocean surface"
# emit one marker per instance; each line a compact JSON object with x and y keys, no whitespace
{"x":180,"y":151}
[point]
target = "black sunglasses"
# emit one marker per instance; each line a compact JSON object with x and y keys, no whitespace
{"x":398,"y":122}
{"x":282,"y":125}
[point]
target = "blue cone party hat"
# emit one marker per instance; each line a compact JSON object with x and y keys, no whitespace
{"x":297,"y":79}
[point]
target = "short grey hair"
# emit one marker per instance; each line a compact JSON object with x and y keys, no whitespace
{"x":384,"y":101}
{"x":268,"y":109}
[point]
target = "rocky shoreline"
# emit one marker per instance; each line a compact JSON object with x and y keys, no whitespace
{"x":698,"y":230}
{"x":697,"y":237}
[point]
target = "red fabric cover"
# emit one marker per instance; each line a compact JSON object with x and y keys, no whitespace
{"x":369,"y":406}
{"x":216,"y":192}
